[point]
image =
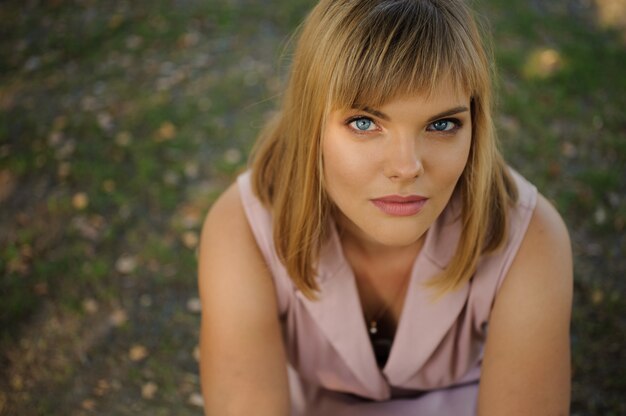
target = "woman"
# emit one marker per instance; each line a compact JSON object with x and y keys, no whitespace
{"x":379,"y":257}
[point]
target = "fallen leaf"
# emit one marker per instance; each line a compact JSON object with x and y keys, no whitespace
{"x":80,"y":200}
{"x":90,"y":306}
{"x":41,"y":289}
{"x":108,"y":186}
{"x":190,"y":215}
{"x":133,"y":42}
{"x":87,"y":228}
{"x":102,"y":387}
{"x":568,"y":149}
{"x":166,"y":131}
{"x":115,"y":21}
{"x":148,"y":390}
{"x":64,"y":170}
{"x":171,"y":178}
{"x":7,"y":184}
{"x":88,"y":404}
{"x":196,"y":353}
{"x":123,"y":138}
{"x":192,"y":170}
{"x":118,"y":317}
{"x":190,"y":239}
{"x":66,"y":150}
{"x":597,"y":296}
{"x":59,"y":122}
{"x":17,"y":382}
{"x":187,"y":40}
{"x":145,"y":301}
{"x":137,"y":352}
{"x":18,"y":265}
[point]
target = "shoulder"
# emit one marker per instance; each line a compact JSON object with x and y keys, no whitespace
{"x":227,"y":242}
{"x":228,"y":207}
{"x":227,"y":219}
{"x":542,"y":268}
{"x":529,"y":326}
{"x":240,"y":343}
{"x":546,"y":243}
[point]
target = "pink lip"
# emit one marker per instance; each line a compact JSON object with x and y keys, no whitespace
{"x":401,"y":206}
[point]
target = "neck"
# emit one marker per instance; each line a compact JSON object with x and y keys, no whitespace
{"x":370,"y":251}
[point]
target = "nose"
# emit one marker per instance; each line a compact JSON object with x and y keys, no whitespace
{"x":403,"y":161}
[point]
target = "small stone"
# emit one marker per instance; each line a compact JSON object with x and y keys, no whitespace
{"x":134,"y":42}
{"x":145,"y":301}
{"x":194,"y":305}
{"x":232,"y":156}
{"x":126,"y":264}
{"x":191,"y":170}
{"x":171,"y":178}
{"x":600,"y":216}
{"x":105,"y":120}
{"x":195,"y":399}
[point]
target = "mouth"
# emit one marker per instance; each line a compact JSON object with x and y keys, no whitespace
{"x":400,"y":206}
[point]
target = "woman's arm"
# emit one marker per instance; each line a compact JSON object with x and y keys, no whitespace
{"x":242,"y":359}
{"x":526,"y":366}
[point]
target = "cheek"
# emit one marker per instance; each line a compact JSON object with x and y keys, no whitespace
{"x":448,"y":164}
{"x":344,"y":164}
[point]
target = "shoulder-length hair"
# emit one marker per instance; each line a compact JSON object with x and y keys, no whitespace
{"x":369,"y":52}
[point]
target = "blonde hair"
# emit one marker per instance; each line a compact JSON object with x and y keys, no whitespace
{"x":355,"y":52}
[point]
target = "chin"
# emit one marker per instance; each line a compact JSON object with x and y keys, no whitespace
{"x":398,"y":236}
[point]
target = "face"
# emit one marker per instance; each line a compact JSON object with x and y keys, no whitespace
{"x":391,"y":171}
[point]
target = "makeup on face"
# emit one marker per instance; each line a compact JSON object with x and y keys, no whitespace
{"x":391,"y":169}
{"x":401,"y":206}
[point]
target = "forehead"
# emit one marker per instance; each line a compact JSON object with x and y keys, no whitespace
{"x":443,"y":93}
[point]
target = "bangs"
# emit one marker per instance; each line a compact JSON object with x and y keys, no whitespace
{"x":401,"y":48}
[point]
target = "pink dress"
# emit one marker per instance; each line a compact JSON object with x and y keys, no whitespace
{"x":434,"y":364}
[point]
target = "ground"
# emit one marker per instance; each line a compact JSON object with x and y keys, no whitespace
{"x":120,"y":123}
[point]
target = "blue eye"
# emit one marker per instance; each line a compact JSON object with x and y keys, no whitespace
{"x":444,"y":125}
{"x":362,"y":124}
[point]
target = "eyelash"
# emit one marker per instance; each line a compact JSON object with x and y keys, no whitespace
{"x":457,"y":125}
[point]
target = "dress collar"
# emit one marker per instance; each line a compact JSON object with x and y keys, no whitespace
{"x":423,"y":322}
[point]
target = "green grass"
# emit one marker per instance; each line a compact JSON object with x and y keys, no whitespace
{"x":150,"y":109}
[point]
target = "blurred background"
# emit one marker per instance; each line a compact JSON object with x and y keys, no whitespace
{"x":121,"y":122}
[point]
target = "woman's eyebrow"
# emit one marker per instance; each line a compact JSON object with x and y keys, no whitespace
{"x":377,"y":113}
{"x":447,"y":113}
